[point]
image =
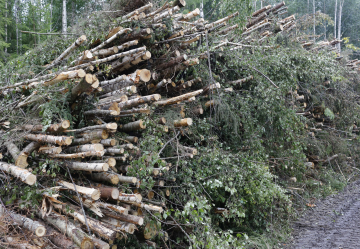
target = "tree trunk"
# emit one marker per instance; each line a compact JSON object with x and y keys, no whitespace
{"x":178,"y":98}
{"x":64,"y":18}
{"x":105,"y":177}
{"x":88,"y":192}
{"x":52,"y":128}
{"x":130,"y":197}
{"x":335,"y":18}
{"x":139,"y":101}
{"x":59,"y":140}
{"x":6,"y":26}
{"x":121,"y":225}
{"x":109,"y":142}
{"x":16,"y":6}
{"x":20,"y":158}
{"x":107,"y":193}
{"x":339,"y":24}
{"x":133,"y":126}
{"x":18,"y":172}
{"x":78,"y":155}
{"x":66,"y":227}
{"x":126,"y":217}
{"x":115,"y":208}
{"x":96,"y":167}
{"x":96,"y":226}
{"x":85,"y":148}
{"x":33,"y":226}
{"x":314,"y":16}
{"x":86,"y":84}
{"x":183,"y":122}
{"x":117,"y":151}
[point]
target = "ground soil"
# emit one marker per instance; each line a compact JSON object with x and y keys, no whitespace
{"x":334,"y":222}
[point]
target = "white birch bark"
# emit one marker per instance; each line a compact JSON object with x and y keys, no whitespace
{"x":64,"y":18}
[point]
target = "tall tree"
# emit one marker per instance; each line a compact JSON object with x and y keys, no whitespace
{"x":64,"y":18}
{"x":341,"y":4}
{"x":335,"y":15}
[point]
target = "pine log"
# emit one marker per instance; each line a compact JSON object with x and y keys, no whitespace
{"x":87,"y":83}
{"x":266,"y":24}
{"x":146,"y":55}
{"x":190,"y":15}
{"x":128,"y":57}
{"x":133,"y":126}
{"x":73,"y":46}
{"x":37,"y":228}
{"x":23,"y":174}
{"x":68,"y":228}
{"x":110,"y":100}
{"x":126,"y":217}
{"x":228,"y":29}
{"x":115,"y":208}
{"x":20,"y":158}
{"x":108,"y":126}
{"x":133,"y":111}
{"x":92,"y":167}
{"x":105,"y":177}
{"x":130,"y":197}
{"x":88,"y":192}
{"x":140,"y":76}
{"x":94,"y":134}
{"x":96,"y":226}
{"x":112,"y":111}
{"x":276,"y":7}
{"x":184,"y":44}
{"x":123,"y":226}
{"x":109,"y":193}
{"x":85,"y":57}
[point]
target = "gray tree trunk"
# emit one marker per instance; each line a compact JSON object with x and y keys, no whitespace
{"x":314,"y":26}
{"x":51,"y":10}
{"x":17,"y":25}
{"x":339,"y":23}
{"x":6,"y":33}
{"x":335,"y":15}
{"x":64,"y":18}
{"x":325,"y":25}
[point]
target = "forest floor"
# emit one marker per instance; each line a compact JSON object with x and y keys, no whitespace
{"x":333,"y":223}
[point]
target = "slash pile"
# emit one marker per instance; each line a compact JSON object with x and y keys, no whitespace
{"x":137,"y":71}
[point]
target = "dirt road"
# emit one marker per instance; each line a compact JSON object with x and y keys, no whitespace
{"x":334,"y":223}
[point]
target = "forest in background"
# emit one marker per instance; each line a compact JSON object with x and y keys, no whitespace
{"x":287,"y":146}
{"x":46,"y":16}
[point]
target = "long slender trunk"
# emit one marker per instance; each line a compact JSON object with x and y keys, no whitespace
{"x":335,"y":15}
{"x":314,"y":25}
{"x":339,"y":23}
{"x":6,"y":16}
{"x":261,"y":4}
{"x":325,"y":21}
{"x":17,"y":25}
{"x":51,"y":13}
{"x":64,"y":19}
{"x":308,"y":7}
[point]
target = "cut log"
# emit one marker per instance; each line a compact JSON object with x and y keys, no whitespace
{"x":105,"y":177}
{"x":140,"y":76}
{"x":123,"y":226}
{"x":78,"y":155}
{"x":68,"y":228}
{"x":256,"y":20}
{"x":133,"y":126}
{"x":178,"y":98}
{"x":37,"y":228}
{"x":115,"y":208}
{"x":112,"y":38}
{"x":85,"y":148}
{"x":139,"y":101}
{"x":211,"y":103}
{"x":126,"y":217}
{"x":190,"y":15}
{"x":20,"y":158}
{"x":136,"y":35}
{"x":23,"y":174}
{"x":110,"y":161}
{"x":127,"y":179}
{"x":133,"y":111}
{"x":106,"y":51}
{"x":96,"y":167}
{"x":90,"y":136}
{"x":129,"y":90}
{"x":209,"y":88}
{"x":98,"y":243}
{"x":109,"y":193}
{"x":242,"y":80}
{"x":65,"y":124}
{"x":50,"y":150}
{"x":96,"y":226}
{"x":109,"y":126}
{"x":147,"y":207}
{"x":130,"y":197}
{"x":183,"y":122}
{"x":75,"y":74}
{"x":73,"y":46}
{"x":132,"y":139}
{"x":117,"y":151}
{"x":102,"y":112}
{"x":86,"y":84}
{"x":88,"y":192}
{"x":59,"y":239}
{"x":59,"y":140}
{"x":109,"y":142}
{"x":262,"y":10}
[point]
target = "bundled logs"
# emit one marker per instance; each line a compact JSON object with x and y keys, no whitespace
{"x":115,"y":71}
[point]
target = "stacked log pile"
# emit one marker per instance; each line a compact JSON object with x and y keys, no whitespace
{"x":132,"y":71}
